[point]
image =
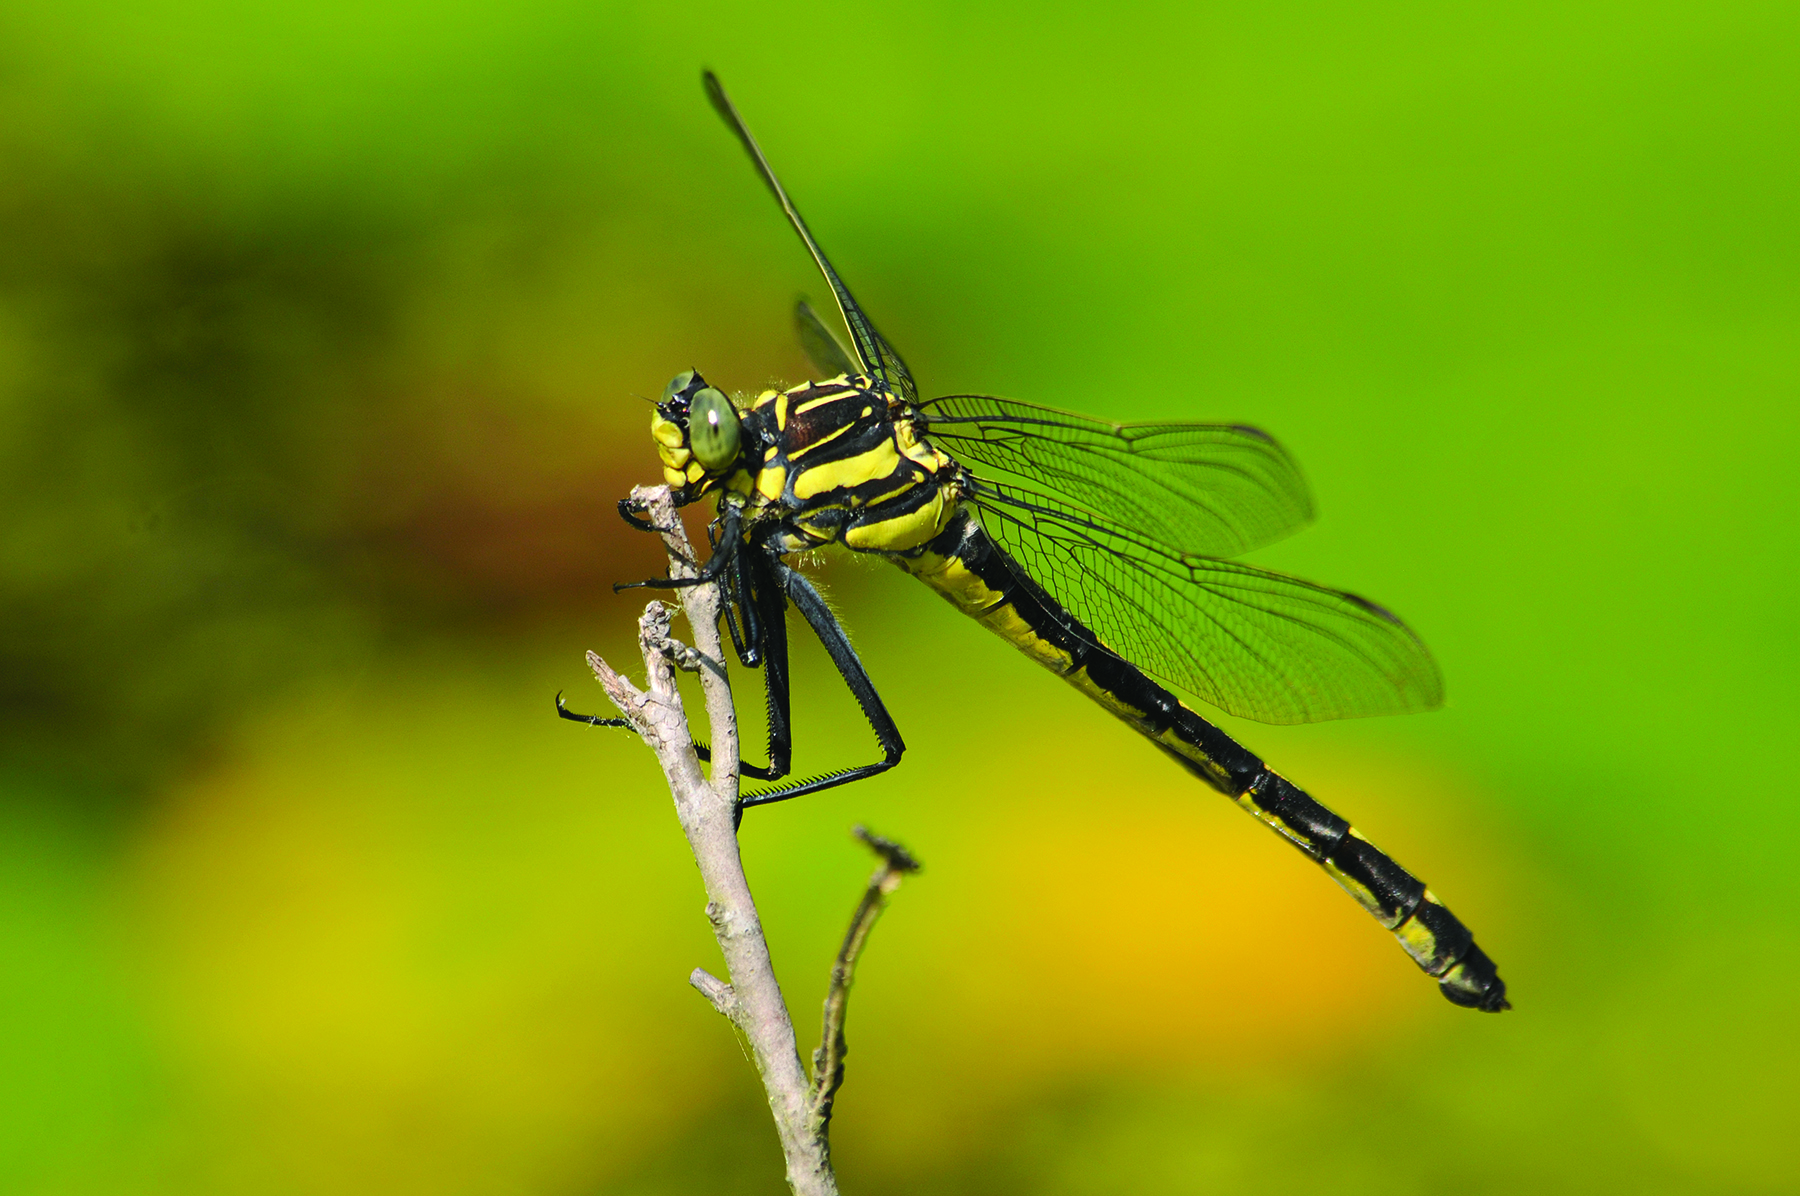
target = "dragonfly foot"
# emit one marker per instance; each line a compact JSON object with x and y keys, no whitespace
{"x":592,"y":720}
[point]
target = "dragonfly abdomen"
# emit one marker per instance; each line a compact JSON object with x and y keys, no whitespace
{"x":979,"y":578}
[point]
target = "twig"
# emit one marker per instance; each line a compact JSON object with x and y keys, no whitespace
{"x":713,"y":989}
{"x":752,"y":1000}
{"x":828,"y":1060}
{"x":708,"y":812}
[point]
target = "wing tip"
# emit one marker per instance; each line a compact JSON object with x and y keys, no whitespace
{"x":1375,"y":608}
{"x":721,"y":103}
{"x":1429,"y":683}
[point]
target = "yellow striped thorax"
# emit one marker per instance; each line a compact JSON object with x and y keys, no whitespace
{"x":836,"y":462}
{"x":839,"y":461}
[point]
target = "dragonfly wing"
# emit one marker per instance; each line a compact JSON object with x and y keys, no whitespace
{"x":879,"y":360}
{"x":1256,"y":644}
{"x":824,"y":350}
{"x":1207,"y":489}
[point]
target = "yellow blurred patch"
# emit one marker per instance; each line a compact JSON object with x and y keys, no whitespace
{"x":400,"y":946}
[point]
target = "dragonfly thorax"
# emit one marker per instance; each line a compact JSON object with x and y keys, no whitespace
{"x":842,"y":461}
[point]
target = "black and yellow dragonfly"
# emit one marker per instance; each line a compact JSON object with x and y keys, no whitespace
{"x":1100,"y":550}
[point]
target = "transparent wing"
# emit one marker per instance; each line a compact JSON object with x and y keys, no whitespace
{"x":879,"y":360}
{"x":1257,"y":644}
{"x":824,"y":350}
{"x":1208,"y":489}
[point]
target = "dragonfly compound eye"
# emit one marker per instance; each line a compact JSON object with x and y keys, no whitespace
{"x":678,"y":384}
{"x":713,"y":430}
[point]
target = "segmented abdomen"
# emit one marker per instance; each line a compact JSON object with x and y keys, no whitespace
{"x":977,"y":576}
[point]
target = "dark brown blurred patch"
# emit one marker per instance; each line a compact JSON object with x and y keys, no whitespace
{"x":475,"y":505}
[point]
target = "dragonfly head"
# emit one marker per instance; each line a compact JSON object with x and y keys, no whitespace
{"x":697,"y":432}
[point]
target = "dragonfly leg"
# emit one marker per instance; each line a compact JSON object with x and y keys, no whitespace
{"x":780,"y":741}
{"x":740,"y":598}
{"x":725,"y":549}
{"x":628,"y":511}
{"x":592,"y":720}
{"x":818,"y":615}
{"x":762,"y":641}
{"x":766,"y":625}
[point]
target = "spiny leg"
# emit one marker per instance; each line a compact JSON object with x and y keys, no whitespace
{"x":767,"y":598}
{"x":755,"y":587}
{"x":818,"y":615}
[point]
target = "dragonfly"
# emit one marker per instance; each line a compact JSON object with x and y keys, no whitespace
{"x":1101,"y":550}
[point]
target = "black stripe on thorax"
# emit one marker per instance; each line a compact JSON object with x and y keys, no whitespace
{"x":822,"y":419}
{"x":860,"y":438}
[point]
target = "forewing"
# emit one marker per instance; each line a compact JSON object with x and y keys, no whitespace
{"x":879,"y":360}
{"x":824,"y":350}
{"x":1207,"y":489}
{"x":1256,"y":644}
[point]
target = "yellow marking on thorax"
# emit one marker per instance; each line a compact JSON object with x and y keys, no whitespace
{"x":921,"y":451}
{"x":839,"y":397}
{"x":906,"y":482}
{"x":816,"y":534}
{"x":879,"y":461}
{"x":904,"y":532}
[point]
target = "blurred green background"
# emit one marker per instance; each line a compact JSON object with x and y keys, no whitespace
{"x":322,"y":335}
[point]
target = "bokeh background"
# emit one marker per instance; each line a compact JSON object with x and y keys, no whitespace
{"x":324,"y":336}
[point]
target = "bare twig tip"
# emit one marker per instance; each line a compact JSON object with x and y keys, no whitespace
{"x":892,"y":853}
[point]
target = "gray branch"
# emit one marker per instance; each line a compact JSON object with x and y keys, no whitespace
{"x":708,"y":811}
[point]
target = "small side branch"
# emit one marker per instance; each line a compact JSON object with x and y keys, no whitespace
{"x":715,"y":990}
{"x":828,"y":1060}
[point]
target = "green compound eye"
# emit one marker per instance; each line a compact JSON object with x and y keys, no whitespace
{"x":713,"y":430}
{"x":679,"y":384}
